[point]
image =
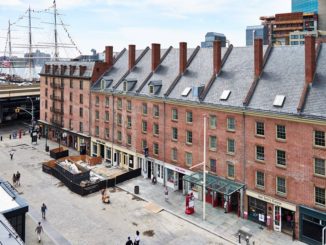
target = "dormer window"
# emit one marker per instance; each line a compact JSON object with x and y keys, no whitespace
{"x":196,"y":91}
{"x":155,"y":87}
{"x":279,"y":100}
{"x":124,"y":86}
{"x":105,"y":82}
{"x":129,"y":84}
{"x":225,"y":95}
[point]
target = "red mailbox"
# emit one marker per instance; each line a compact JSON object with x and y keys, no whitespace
{"x":190,"y":204}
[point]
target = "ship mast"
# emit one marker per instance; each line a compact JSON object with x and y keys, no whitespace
{"x":55,"y":32}
{"x":10,"y":50}
{"x":30,"y":43}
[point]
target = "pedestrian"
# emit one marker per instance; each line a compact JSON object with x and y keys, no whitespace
{"x":14,"y":179}
{"x":11,"y":153}
{"x":137,"y":239}
{"x":129,"y":242}
{"x":225,"y":206}
{"x":38,"y":231}
{"x":43,"y":209}
{"x":18,"y":178}
{"x":166,"y":193}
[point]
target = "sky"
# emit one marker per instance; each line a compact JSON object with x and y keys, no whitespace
{"x":94,"y":24}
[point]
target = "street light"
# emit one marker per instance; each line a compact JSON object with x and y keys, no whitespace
{"x":32,"y":112}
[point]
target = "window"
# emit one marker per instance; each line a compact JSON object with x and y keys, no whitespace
{"x":231,"y":124}
{"x":81,"y":84}
{"x":46,"y":116}
{"x":212,"y":122}
{"x":144,"y":109}
{"x":107,"y":133}
{"x":129,"y":139}
{"x":46,"y":80}
{"x":97,"y":131}
{"x":189,"y":137}
{"x":174,"y":114}
{"x":320,"y":196}
{"x":155,"y":148}
{"x":212,"y":143}
{"x":189,"y":117}
{"x":144,"y":126}
{"x":70,"y":124}
{"x":119,"y":119}
{"x":107,"y":101}
{"x":280,"y":185}
{"x":212,"y":165}
{"x":231,"y":146}
{"x":119,"y":104}
{"x":320,"y":138}
{"x":174,"y":154}
{"x":70,"y":96}
{"x":156,"y":129}
{"x":119,"y":136}
{"x":129,"y":105}
{"x":260,"y":128}
{"x":81,"y":99}
{"x":81,"y":112}
{"x":260,"y":153}
{"x":144,"y":144}
{"x":156,"y":111}
{"x":260,"y":179}
{"x":81,"y":127}
{"x":151,"y":89}
{"x":174,"y":134}
{"x":188,"y":158}
{"x":46,"y":92}
{"x":97,"y":100}
{"x":230,"y":170}
{"x":128,"y":121}
{"x":70,"y":83}
{"x":70,"y":109}
{"x":46,"y":104}
{"x":280,"y":132}
{"x":320,"y":167}
{"x":107,"y":116}
{"x":280,"y":157}
{"x":97,"y":115}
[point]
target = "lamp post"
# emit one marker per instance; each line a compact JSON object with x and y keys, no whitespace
{"x":32,"y":112}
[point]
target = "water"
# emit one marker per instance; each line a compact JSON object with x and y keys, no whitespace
{"x":23,"y":72}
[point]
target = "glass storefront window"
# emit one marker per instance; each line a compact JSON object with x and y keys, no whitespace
{"x":170,"y":175}
{"x":94,"y":149}
{"x":108,"y":153}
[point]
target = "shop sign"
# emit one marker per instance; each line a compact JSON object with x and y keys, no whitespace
{"x":100,"y":142}
{"x":178,"y":169}
{"x":271,"y":200}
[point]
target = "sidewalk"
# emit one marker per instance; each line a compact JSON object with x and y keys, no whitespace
{"x":226,"y":226}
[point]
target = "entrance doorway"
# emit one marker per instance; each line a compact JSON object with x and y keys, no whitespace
{"x":180,"y":186}
{"x":149,"y":169}
{"x":102,"y":151}
{"x":287,"y":221}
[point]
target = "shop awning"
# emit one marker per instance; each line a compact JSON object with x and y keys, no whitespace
{"x":214,"y":183}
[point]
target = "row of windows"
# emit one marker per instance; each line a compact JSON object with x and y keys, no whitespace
{"x":280,"y":130}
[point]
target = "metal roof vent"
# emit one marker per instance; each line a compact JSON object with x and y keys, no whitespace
{"x":186,"y":91}
{"x":279,"y":100}
{"x":225,"y":95}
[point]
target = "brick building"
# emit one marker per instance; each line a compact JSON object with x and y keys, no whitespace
{"x":265,"y":126}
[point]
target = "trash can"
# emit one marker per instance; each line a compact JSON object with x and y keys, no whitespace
{"x":136,"y":190}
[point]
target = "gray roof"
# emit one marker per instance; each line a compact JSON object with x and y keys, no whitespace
{"x":166,"y":72}
{"x":236,"y":75}
{"x":198,"y":73}
{"x":87,"y":74}
{"x":4,"y":233}
{"x":316,"y":98}
{"x":284,"y":74}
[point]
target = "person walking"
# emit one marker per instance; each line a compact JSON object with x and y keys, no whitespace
{"x":18,"y":178}
{"x":11,"y":153}
{"x":14,"y":179}
{"x":129,"y":242}
{"x":43,"y":209}
{"x":137,"y":239}
{"x":166,"y":193}
{"x":38,"y":231}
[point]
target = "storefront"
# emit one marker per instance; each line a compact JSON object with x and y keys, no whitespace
{"x":219,"y":191}
{"x":312,"y":225}
{"x":271,"y":212}
{"x":175,"y":176}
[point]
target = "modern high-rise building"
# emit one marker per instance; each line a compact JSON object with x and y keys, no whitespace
{"x":258,"y":31}
{"x":210,"y":37}
{"x":306,"y":6}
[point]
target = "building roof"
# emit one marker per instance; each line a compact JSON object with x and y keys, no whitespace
{"x":69,"y":68}
{"x":10,"y":200}
{"x":5,"y":230}
{"x":284,"y":74}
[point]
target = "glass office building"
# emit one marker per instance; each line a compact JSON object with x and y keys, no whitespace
{"x":306,"y":6}
{"x":259,"y":31}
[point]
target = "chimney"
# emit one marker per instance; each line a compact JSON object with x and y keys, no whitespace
{"x":217,"y":61}
{"x":156,"y":55}
{"x":258,"y":49}
{"x":109,"y":55}
{"x":182,"y":57}
{"x":310,"y":58}
{"x":132,"y":56}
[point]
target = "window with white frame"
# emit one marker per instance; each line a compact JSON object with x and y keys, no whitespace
{"x":231,"y":146}
{"x":230,"y":123}
{"x":107,"y":133}
{"x":107,"y":101}
{"x":280,"y":185}
{"x":189,"y":116}
{"x":155,"y":148}
{"x":174,"y":133}
{"x":189,"y":158}
{"x":97,"y":100}
{"x":320,"y":196}
{"x":119,"y":136}
{"x":129,"y":139}
{"x":280,"y":132}
{"x":319,"y":138}
{"x":144,"y":106}
{"x":281,"y":157}
{"x":212,"y":142}
{"x":119,"y":103}
{"x":156,"y":111}
{"x":107,"y":116}
{"x":174,"y":114}
{"x":319,"y":168}
{"x":230,"y":170}
{"x":212,"y":121}
{"x":97,"y":115}
{"x":260,"y":128}
{"x":212,"y":165}
{"x":97,"y":131}
{"x":156,"y":129}
{"x":260,"y":153}
{"x":260,"y":179}
{"x":119,"y":119}
{"x":144,"y":144}
{"x":189,"y":137}
{"x":144,"y":126}
{"x":174,"y":154}
{"x":128,"y":121}
{"x":129,"y":107}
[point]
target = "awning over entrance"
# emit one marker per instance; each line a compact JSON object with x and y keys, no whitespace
{"x":214,"y":183}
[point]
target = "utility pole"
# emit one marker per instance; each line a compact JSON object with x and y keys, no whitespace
{"x":32,"y":112}
{"x":56,"y":55}
{"x":204,"y":167}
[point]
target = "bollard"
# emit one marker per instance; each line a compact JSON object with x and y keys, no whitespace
{"x":239,"y":238}
{"x":10,"y":136}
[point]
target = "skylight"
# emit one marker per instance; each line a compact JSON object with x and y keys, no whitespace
{"x":225,"y":95}
{"x":186,"y":91}
{"x":279,"y":100}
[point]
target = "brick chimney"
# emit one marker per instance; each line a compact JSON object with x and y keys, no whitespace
{"x":132,"y":56}
{"x":258,"y":49}
{"x":109,"y":55}
{"x":156,"y":55}
{"x":182,"y":57}
{"x":310,"y":58}
{"x":217,"y":61}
